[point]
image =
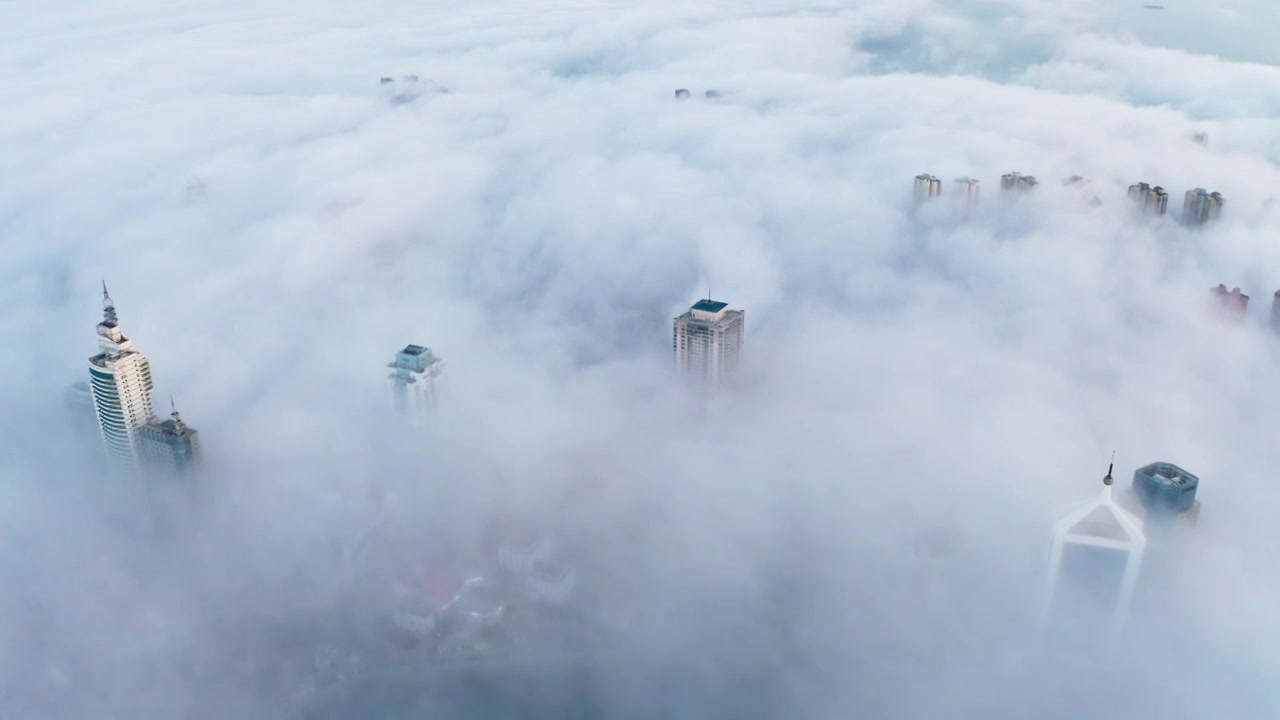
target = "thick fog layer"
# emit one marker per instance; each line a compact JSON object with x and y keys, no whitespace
{"x":857,"y":526}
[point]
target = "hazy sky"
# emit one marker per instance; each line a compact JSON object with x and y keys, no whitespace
{"x":273,"y":229}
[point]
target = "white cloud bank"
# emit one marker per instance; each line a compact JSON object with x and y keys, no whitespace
{"x":541,"y":223}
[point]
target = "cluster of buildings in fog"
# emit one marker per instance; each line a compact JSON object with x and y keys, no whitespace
{"x":1199,"y":205}
{"x":118,"y":397}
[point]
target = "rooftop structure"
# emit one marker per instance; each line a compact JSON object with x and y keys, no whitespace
{"x":968,"y":191}
{"x":707,"y":342}
{"x":1165,"y":490}
{"x":1233,"y":301}
{"x":713,"y":94}
{"x":682,"y":94}
{"x":413,"y":379}
{"x":1200,"y":137}
{"x":1094,"y":561}
{"x":1201,"y":206}
{"x":1150,"y":200}
{"x":1018,"y":182}
{"x":927,"y":187}
{"x":1275,"y":312}
{"x":169,"y":448}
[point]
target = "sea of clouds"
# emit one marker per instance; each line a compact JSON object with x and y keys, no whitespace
{"x":273,"y":228}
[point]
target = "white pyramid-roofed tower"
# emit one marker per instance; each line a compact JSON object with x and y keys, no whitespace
{"x":1102,"y":545}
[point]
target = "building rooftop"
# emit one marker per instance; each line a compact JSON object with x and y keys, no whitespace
{"x":710,"y":306}
{"x":415,"y":350}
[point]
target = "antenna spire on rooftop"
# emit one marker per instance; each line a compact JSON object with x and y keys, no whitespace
{"x":108,"y":307}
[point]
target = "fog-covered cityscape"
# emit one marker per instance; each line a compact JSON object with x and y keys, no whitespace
{"x":395,"y":362}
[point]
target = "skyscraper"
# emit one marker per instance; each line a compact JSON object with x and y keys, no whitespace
{"x":707,"y":341}
{"x":120,"y":380}
{"x":1200,"y":206}
{"x":1017,"y":181}
{"x":1150,"y":200}
{"x":1275,"y":312}
{"x":968,"y":191}
{"x":168,"y":448}
{"x":412,"y":380}
{"x":1094,"y":561}
{"x":927,"y":187}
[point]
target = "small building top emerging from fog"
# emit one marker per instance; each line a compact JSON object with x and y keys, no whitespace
{"x":709,"y":306}
{"x":1163,"y":486}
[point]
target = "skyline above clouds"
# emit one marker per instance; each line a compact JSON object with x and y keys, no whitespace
{"x":274,"y":229}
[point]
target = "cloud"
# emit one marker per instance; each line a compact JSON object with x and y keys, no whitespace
{"x":538,"y":226}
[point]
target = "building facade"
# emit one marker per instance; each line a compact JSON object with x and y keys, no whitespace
{"x":121,"y":385}
{"x":707,"y":342}
{"x":1149,"y":200}
{"x":169,"y":449}
{"x":927,"y":187}
{"x":1201,"y":206}
{"x":1014,"y":181}
{"x":968,"y":192}
{"x":1234,"y":302}
{"x":413,"y":381}
{"x":1094,"y":561}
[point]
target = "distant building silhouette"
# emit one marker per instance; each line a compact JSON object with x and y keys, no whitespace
{"x":927,"y":187}
{"x":1233,"y":301}
{"x":1275,"y":312}
{"x":1017,"y":182}
{"x":1150,"y":200}
{"x":968,"y":192}
{"x":682,"y":94}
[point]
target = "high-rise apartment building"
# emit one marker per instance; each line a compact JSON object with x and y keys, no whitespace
{"x":1275,"y":312}
{"x":169,"y":448}
{"x":927,"y":187}
{"x":1150,"y":200}
{"x":120,"y":381}
{"x":968,"y":191}
{"x":413,"y":380}
{"x":707,"y":341}
{"x":1200,"y":206}
{"x":1017,"y":181}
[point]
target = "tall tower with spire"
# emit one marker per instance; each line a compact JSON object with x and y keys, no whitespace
{"x":120,"y":384}
{"x":1094,"y":562}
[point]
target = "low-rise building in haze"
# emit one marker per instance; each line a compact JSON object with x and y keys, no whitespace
{"x":1201,"y":206}
{"x":1149,"y":200}
{"x":927,"y":187}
